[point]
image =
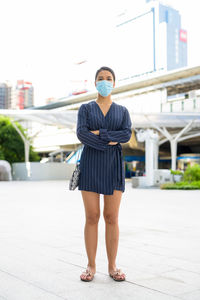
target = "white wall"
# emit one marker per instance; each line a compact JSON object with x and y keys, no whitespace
{"x":144,"y":103}
{"x":42,"y":171}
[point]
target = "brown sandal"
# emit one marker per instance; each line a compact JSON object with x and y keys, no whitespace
{"x":117,"y":274}
{"x":88,"y":273}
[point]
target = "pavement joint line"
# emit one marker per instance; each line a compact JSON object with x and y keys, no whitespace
{"x":179,"y":268}
{"x":126,"y":281}
{"x":3,"y":298}
{"x":35,"y":285}
{"x":136,"y":248}
{"x":176,"y":257}
{"x":146,"y":287}
{"x":128,"y":247}
{"x":154,"y":253}
{"x":183,"y":294}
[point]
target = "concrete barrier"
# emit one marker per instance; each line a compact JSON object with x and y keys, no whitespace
{"x":42,"y":171}
{"x":5,"y":171}
{"x":139,"y":181}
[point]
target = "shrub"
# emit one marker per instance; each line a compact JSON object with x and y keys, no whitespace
{"x":182,"y":185}
{"x":192,"y":173}
{"x":176,"y":172}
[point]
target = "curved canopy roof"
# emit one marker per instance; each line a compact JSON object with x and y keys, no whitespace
{"x":49,"y":117}
{"x":139,"y":120}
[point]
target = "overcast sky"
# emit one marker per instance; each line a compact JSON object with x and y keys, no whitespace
{"x":42,"y":40}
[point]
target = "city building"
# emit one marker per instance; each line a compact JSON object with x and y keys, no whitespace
{"x":151,"y":40}
{"x":25,"y":94}
{"x":6,"y":95}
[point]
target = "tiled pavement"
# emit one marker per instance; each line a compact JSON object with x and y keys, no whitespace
{"x":42,"y":251}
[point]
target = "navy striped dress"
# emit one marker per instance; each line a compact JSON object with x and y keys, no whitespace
{"x":101,"y":165}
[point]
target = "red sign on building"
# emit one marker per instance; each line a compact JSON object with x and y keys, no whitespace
{"x":183,"y":35}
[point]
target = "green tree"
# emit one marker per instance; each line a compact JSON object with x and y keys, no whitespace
{"x":1,"y":154}
{"x":11,"y":143}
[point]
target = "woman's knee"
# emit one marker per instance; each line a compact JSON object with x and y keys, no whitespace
{"x":110,"y":218}
{"x":93,"y":218}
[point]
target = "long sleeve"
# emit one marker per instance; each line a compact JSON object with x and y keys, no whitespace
{"x":84,"y":135}
{"x":121,"y":136}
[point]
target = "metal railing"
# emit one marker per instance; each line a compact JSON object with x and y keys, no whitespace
{"x":184,"y":105}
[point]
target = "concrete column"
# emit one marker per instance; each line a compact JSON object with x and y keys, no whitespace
{"x":27,"y":148}
{"x":156,"y":154}
{"x":149,"y":160}
{"x":26,"y":142}
{"x":173,"y":145}
{"x":151,"y":153}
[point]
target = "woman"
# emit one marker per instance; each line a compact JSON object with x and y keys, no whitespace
{"x":102,"y":125}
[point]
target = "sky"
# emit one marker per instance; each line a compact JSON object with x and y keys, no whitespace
{"x":41,"y":41}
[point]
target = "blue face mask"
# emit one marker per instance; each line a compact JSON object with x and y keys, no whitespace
{"x":104,"y":87}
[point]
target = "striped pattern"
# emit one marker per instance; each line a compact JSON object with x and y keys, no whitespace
{"x":102,"y":166}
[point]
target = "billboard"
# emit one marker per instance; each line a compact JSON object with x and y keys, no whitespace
{"x":183,"y":35}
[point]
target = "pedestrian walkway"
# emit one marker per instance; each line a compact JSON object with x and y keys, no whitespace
{"x":42,"y":251}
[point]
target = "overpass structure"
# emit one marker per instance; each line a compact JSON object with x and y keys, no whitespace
{"x":169,"y":84}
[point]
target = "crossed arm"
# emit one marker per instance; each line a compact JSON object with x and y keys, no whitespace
{"x":121,"y":136}
{"x":102,"y":139}
{"x":85,"y":135}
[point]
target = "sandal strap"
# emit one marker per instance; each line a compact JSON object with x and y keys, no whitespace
{"x":88,"y":272}
{"x":117,"y":272}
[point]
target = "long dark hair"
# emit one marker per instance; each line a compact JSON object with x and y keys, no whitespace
{"x":105,"y":69}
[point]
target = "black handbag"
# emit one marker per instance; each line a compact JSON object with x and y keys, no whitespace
{"x":74,"y":180}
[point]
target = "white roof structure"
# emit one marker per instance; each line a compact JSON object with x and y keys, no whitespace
{"x":140,"y":120}
{"x":172,"y":127}
{"x":48,"y":117}
{"x":163,"y":122}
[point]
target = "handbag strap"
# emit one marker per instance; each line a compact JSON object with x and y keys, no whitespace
{"x":79,"y":154}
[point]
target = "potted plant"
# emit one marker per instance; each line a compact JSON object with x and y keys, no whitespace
{"x":177,"y":175}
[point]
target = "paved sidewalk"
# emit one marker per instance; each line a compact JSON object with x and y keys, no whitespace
{"x":42,"y":251}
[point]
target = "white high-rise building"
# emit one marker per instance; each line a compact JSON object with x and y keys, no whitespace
{"x":148,"y":41}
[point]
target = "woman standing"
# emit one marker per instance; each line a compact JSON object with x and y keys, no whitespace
{"x":102,"y":125}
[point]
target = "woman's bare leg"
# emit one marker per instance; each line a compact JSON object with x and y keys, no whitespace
{"x":92,"y":215}
{"x":111,"y":212}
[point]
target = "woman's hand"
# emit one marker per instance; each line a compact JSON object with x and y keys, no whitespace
{"x":95,"y":132}
{"x":112,"y":143}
